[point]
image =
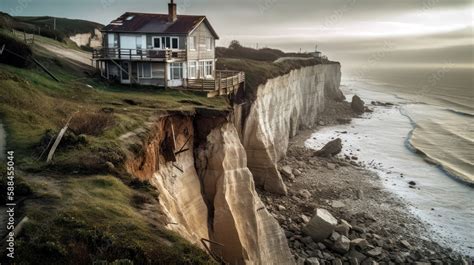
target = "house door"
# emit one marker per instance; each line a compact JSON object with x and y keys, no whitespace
{"x":125,"y":72}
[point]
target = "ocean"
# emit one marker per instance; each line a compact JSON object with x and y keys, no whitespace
{"x":441,"y":109}
{"x":426,"y":137}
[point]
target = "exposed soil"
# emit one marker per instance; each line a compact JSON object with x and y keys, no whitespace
{"x":351,"y":193}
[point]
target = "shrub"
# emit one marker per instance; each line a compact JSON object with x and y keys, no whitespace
{"x":240,"y":52}
{"x":13,"y":45}
{"x":91,"y":123}
{"x":87,"y":48}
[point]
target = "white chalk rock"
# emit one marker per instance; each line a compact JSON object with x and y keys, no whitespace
{"x":321,"y":225}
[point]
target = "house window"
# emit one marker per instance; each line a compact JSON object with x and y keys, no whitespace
{"x":158,"y":70}
{"x":201,"y":70}
{"x":176,"y":71}
{"x":174,"y":43}
{"x":144,"y":70}
{"x":192,"y":43}
{"x":139,"y":43}
{"x":170,"y":43}
{"x":192,"y":70}
{"x":208,"y":68}
{"x":156,"y":42}
{"x":112,"y":40}
{"x":209,"y":44}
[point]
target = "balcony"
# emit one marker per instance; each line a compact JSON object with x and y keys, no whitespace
{"x":138,"y":54}
{"x":224,"y":83}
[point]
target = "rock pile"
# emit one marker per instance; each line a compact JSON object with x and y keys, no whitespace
{"x":330,"y":216}
{"x":326,"y":240}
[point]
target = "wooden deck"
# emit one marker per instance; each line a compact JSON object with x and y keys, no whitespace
{"x":138,"y":54}
{"x":226,"y":82}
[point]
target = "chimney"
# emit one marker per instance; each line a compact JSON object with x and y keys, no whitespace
{"x":172,"y":15}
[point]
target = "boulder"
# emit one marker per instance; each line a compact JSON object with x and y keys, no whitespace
{"x":375,"y":252}
{"x":296,"y":172}
{"x":286,"y":171}
{"x":312,"y":261}
{"x":330,"y":149}
{"x":342,"y":245}
{"x":343,"y":228}
{"x":331,"y":166}
{"x":337,"y":204}
{"x":357,"y":105}
{"x":321,"y":225}
{"x":405,"y":244}
{"x":369,"y":261}
{"x":305,"y":218}
{"x":305,"y":194}
{"x":335,"y":236}
{"x":359,"y":244}
{"x":356,"y":254}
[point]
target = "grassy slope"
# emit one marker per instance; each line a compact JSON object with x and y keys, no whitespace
{"x":65,"y":25}
{"x":78,"y":218}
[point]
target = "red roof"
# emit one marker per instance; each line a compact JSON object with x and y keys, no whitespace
{"x":156,"y":23}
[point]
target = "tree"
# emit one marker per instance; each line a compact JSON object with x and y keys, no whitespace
{"x":235,"y":44}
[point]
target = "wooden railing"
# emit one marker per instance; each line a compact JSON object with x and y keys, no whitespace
{"x":223,"y":80}
{"x":138,"y":54}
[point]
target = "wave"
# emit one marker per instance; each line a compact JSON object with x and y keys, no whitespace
{"x":438,"y":163}
{"x":462,"y":113}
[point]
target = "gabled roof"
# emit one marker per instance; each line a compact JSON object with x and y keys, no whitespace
{"x":157,"y":23}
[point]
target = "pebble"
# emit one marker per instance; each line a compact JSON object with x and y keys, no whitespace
{"x":359,"y":243}
{"x":312,"y":261}
{"x":405,"y":244}
{"x":305,"y":194}
{"x":359,"y":229}
{"x":331,"y":166}
{"x":375,"y":252}
{"x":338,"y":204}
{"x":305,"y":218}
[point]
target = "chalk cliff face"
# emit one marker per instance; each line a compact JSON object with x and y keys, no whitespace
{"x":173,"y":175}
{"x":282,"y":106}
{"x":205,"y":169}
{"x":206,"y":190}
{"x":240,"y":221}
{"x":88,"y":39}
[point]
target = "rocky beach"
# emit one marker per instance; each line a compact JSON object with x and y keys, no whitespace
{"x":363,"y":223}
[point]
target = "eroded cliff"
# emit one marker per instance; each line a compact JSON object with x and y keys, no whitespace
{"x":92,"y":40}
{"x":199,"y":168}
{"x":206,"y":169}
{"x":240,"y":221}
{"x":284,"y":105}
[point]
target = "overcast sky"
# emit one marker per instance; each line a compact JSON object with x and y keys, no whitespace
{"x":399,"y":31}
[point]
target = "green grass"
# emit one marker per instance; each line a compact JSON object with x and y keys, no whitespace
{"x":65,"y":25}
{"x":90,"y":218}
{"x":31,"y":102}
{"x":79,"y":212}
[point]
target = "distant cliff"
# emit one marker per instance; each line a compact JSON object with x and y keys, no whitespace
{"x":282,"y":106}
